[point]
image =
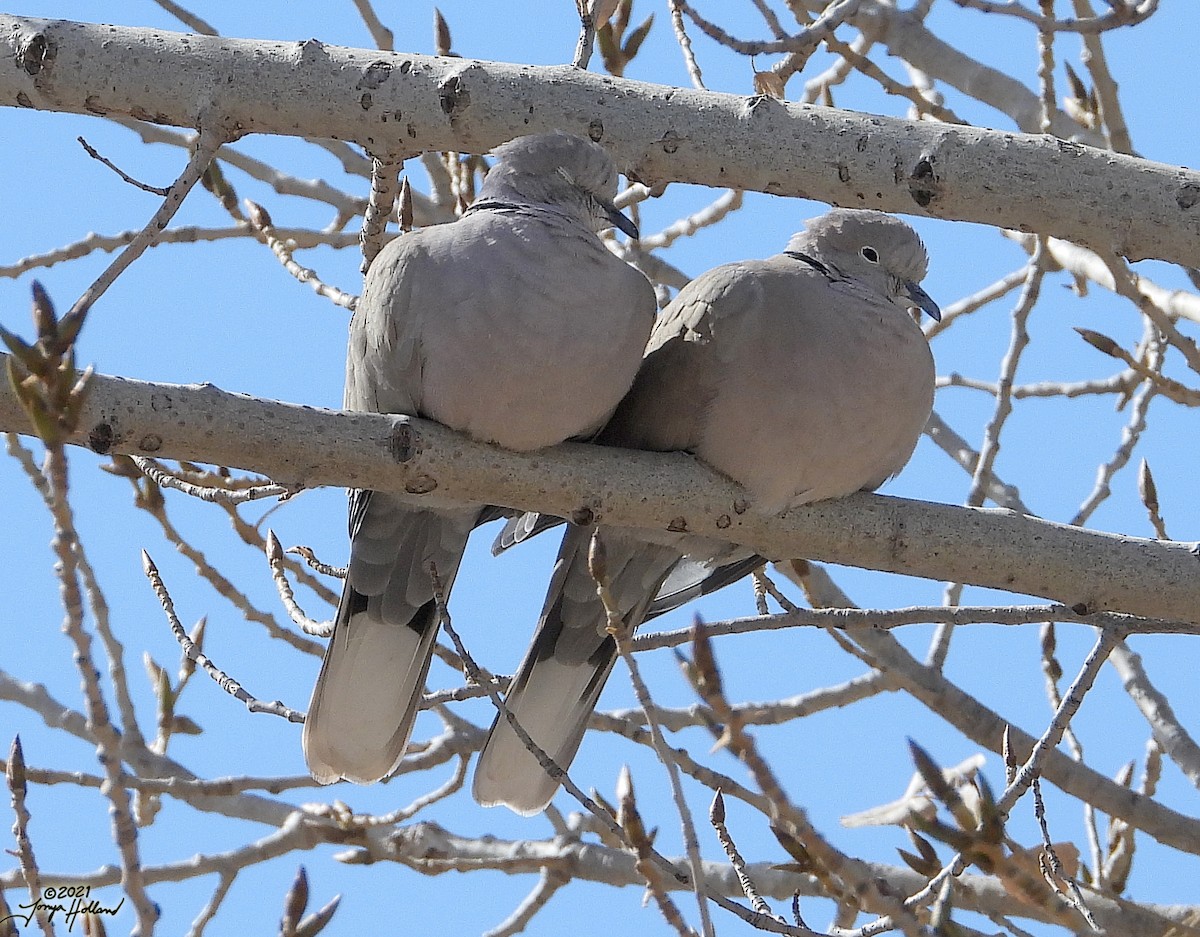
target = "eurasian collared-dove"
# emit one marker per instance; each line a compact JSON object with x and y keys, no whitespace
{"x":514,"y":325}
{"x":803,"y":377}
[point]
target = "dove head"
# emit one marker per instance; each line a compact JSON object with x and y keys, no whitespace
{"x":874,"y":248}
{"x":561,"y":170}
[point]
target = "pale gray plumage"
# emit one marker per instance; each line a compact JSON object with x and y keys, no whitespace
{"x":803,"y":377}
{"x":514,"y":325}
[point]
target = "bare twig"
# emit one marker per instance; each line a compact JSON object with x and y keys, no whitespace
{"x":310,"y":558}
{"x":726,"y":203}
{"x":685,"y":44}
{"x":635,"y":831}
{"x":452,"y":784}
{"x":548,"y":765}
{"x":261,"y":221}
{"x":1123,"y":15}
{"x":1169,"y":732}
{"x":1149,"y":495}
{"x":1071,"y":702}
{"x":189,"y":19}
{"x":204,"y":148}
{"x":1168,"y":387}
{"x":1103,"y":85}
{"x":166,"y":479}
{"x":990,"y":447}
{"x":550,"y":880}
{"x":621,"y":633}
{"x":381,"y":204}
{"x":1074,"y":895}
{"x":187,"y":234}
{"x":14,"y":772}
{"x":587,"y":35}
{"x":716,"y":816}
{"x":161,"y":191}
{"x":319,"y":629}
{"x":208,"y":912}
{"x":222,"y":679}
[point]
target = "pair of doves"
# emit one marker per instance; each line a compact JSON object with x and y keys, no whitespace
{"x":802,"y":377}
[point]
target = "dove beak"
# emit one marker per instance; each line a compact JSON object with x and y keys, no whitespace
{"x":923,"y":300}
{"x":623,"y":223}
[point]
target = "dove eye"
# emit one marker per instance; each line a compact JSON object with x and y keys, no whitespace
{"x":870,"y":255}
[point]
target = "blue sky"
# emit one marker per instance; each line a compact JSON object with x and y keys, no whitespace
{"x":227,"y":313}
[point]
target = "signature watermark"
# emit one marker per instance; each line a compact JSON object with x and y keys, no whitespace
{"x":68,"y":900}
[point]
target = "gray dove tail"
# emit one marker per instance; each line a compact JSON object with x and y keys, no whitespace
{"x":552,"y":701}
{"x":559,"y":682}
{"x":367,"y":694}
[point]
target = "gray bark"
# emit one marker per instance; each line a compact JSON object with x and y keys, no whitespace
{"x":297,"y":445}
{"x":407,"y":104}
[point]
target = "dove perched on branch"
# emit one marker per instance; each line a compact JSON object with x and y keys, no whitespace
{"x":514,"y":325}
{"x":803,"y":377}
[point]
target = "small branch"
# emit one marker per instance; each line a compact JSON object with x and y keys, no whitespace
{"x":1168,"y":387}
{"x":977,"y":301}
{"x":1104,"y":87}
{"x":222,"y":679}
{"x":631,"y":729}
{"x":981,"y":480}
{"x":677,"y":8}
{"x":1127,"y":285}
{"x":452,"y":785}
{"x":474,"y":673}
{"x":1045,"y":70}
{"x":1131,"y":434}
{"x":209,"y":911}
{"x":187,"y":234}
{"x":1008,"y":369}
{"x":621,"y":633}
{"x":149,"y":498}
{"x":338,"y":572}
{"x":716,"y":816}
{"x":635,"y":832}
{"x":1086,"y":264}
{"x":725,"y":204}
{"x":113,"y":648}
{"x":1127,"y":14}
{"x":14,"y":772}
{"x":1169,"y":732}
{"x":587,"y":35}
{"x":160,"y":191}
{"x":550,"y":881}
{"x":857,"y":621}
{"x":789,"y":823}
{"x":319,"y":629}
{"x":803,"y":44}
{"x":1071,"y":702}
{"x":260,"y":220}
{"x":165,"y":479}
{"x":1149,"y":495}
{"x":381,"y":205}
{"x":950,"y":442}
{"x":189,"y":19}
{"x":1074,"y":896}
{"x":210,"y":139}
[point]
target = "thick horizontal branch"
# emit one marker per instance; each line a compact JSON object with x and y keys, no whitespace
{"x":434,"y":850}
{"x":1083,"y":569}
{"x":407,"y":104}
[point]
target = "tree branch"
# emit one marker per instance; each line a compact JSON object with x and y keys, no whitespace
{"x":389,"y":101}
{"x":1086,"y":570}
